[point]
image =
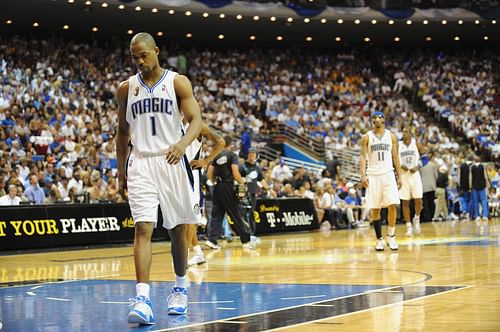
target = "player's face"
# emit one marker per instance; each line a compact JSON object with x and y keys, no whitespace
{"x":252,"y":156}
{"x":378,"y":121}
{"x":145,"y":57}
{"x":406,"y":133}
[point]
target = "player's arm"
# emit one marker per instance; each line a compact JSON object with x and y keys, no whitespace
{"x":421,"y":151}
{"x":362,"y":160}
{"x":219,"y":144}
{"x":122,"y":135}
{"x":235,"y":170}
{"x":191,"y":110}
{"x":211,"y":174}
{"x":395,"y":158}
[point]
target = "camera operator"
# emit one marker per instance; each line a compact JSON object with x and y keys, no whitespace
{"x":223,"y":171}
{"x":254,"y":180}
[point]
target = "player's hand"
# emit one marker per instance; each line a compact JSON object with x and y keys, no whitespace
{"x":122,"y":185}
{"x":398,"y":180}
{"x":175,"y":153}
{"x":201,"y":163}
{"x":364,"y":182}
{"x":414,"y":169}
{"x":404,"y":168}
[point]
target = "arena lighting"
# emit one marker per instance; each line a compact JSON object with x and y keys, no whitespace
{"x":396,"y":39}
{"x":460,"y":22}
{"x":486,"y":37}
{"x":340,"y":21}
{"x":374,"y":21}
{"x":256,"y":18}
{"x":104,"y":5}
{"x":456,"y":38}
{"x":409,"y":22}
{"x":252,"y":37}
{"x":188,"y":13}
{"x":65,"y":27}
{"x":71,"y":1}
{"x":279,"y":38}
{"x":95,"y":29}
{"x":309,"y":38}
{"x":391,"y":22}
{"x":36,"y":25}
{"x":130,"y":31}
{"x":171,"y":12}
{"x":88,"y":3}
{"x":477,"y":22}
{"x":428,"y":39}
{"x":307,"y":20}
{"x":205,"y":14}
{"x":159,"y":33}
{"x":323,"y":20}
{"x":222,"y":15}
{"x":221,"y":36}
{"x":444,"y":22}
{"x":356,"y":21}
{"x":367,"y":39}
{"x":494,"y":22}
{"x":239,"y":17}
{"x":425,"y":22}
{"x":138,"y":8}
{"x":272,"y":18}
{"x":337,"y":39}
{"x":289,"y":20}
{"x":154,"y":10}
{"x":121,"y":7}
{"x":8,"y":22}
{"x":189,"y":35}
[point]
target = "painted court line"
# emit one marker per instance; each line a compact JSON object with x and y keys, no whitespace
{"x":302,"y":297}
{"x":58,"y":299}
{"x":225,"y":308}
{"x":210,"y":302}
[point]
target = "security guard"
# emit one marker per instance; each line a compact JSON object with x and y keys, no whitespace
{"x":254,"y":178}
{"x":223,"y":171}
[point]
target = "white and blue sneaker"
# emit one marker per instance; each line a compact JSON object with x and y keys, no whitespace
{"x":142,"y":311}
{"x":177,"y":301}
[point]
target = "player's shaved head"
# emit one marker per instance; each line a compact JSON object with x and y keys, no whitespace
{"x":144,"y":37}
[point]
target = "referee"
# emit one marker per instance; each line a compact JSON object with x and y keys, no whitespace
{"x":223,"y":171}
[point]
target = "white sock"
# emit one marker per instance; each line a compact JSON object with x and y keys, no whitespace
{"x":197,"y":250}
{"x":416,"y":219}
{"x":391,"y":230}
{"x":181,"y":281}
{"x":142,"y":289}
{"x":408,"y":225}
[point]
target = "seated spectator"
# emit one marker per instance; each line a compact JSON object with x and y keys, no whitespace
{"x":11,"y":198}
{"x":34,"y":193}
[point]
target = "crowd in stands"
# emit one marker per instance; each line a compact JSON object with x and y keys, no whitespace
{"x":58,"y":114}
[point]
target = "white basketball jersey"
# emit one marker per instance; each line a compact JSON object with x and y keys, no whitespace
{"x":153,"y":114}
{"x":408,"y":154}
{"x":379,"y":153}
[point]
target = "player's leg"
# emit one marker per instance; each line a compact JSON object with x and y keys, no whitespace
{"x":377,"y":227}
{"x":406,"y":214}
{"x":192,"y":238}
{"x":391,"y":200}
{"x":143,"y":201}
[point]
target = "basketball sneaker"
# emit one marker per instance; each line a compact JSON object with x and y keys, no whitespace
{"x":177,"y":301}
{"x":212,"y":245}
{"x":141,"y":312}
{"x":409,"y":230}
{"x":380,"y":245}
{"x":416,"y":224}
{"x":197,"y":259}
{"x":249,"y":246}
{"x":391,"y":242}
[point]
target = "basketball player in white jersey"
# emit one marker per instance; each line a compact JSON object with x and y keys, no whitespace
{"x":193,"y":153}
{"x":150,"y":109}
{"x":411,"y":182}
{"x":377,"y":161}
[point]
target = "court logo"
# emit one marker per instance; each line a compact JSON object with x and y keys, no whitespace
{"x":196,"y":208}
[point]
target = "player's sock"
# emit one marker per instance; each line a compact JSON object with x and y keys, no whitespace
{"x":391,"y":230}
{"x":197,"y":250}
{"x":377,"y":226}
{"x":142,"y":289}
{"x":181,"y":281}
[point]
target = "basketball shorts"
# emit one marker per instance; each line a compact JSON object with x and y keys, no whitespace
{"x":382,"y":191}
{"x":152,"y":182}
{"x":411,"y":186}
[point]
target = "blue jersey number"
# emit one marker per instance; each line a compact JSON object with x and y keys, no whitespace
{"x":153,"y":125}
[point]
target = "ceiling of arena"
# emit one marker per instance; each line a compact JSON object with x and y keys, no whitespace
{"x":337,"y":28}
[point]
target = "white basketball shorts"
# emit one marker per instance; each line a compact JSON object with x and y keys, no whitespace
{"x":151,"y":181}
{"x":411,"y":186}
{"x":382,"y":191}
